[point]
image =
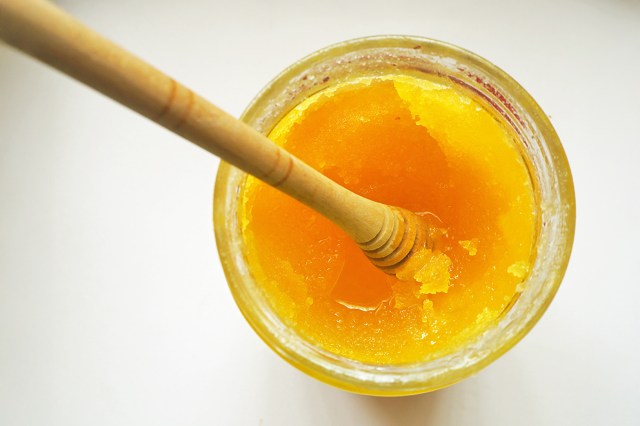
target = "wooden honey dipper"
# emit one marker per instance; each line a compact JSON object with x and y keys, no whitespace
{"x":388,"y":235}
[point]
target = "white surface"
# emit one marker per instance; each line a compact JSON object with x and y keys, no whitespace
{"x":113,"y":306}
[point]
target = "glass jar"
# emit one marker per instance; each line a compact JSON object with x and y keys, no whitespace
{"x":538,"y":144}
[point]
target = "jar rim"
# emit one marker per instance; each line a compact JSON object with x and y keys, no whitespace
{"x":557,"y":223}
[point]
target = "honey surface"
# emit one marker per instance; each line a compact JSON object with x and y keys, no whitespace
{"x":420,"y":145}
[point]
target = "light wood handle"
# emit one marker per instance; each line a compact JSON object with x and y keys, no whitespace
{"x":45,"y":32}
{"x":50,"y":35}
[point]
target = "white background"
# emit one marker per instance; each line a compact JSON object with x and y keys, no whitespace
{"x":113,"y":306}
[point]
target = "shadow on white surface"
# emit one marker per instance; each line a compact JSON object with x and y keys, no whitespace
{"x":408,"y":410}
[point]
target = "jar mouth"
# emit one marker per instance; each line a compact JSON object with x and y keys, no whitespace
{"x":539,"y":144}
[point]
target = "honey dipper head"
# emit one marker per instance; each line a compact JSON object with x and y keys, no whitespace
{"x":402,"y":234}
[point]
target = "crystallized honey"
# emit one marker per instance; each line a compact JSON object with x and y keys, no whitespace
{"x":418,"y":144}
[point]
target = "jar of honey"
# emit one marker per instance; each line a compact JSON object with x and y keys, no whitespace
{"x":434,"y":129}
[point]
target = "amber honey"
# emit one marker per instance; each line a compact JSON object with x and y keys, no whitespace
{"x":419,"y":144}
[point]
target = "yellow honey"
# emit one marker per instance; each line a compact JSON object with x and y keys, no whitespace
{"x":414,"y":143}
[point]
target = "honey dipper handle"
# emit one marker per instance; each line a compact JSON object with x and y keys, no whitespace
{"x":45,"y":32}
